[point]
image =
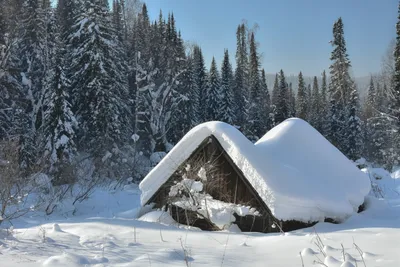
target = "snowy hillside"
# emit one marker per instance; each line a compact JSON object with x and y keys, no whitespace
{"x":104,"y":232}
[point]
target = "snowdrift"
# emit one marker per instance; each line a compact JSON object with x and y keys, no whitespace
{"x":295,"y":170}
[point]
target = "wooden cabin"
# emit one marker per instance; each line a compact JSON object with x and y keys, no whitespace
{"x":292,"y":177}
{"x":226,"y":183}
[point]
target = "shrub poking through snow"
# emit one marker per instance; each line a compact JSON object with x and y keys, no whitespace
{"x":15,"y":185}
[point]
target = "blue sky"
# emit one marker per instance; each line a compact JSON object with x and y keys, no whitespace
{"x":294,"y":35}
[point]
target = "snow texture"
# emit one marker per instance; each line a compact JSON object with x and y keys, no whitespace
{"x":96,"y":233}
{"x":295,"y":170}
{"x":159,"y":217}
{"x":384,"y":184}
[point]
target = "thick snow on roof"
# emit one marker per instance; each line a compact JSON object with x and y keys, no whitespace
{"x":295,"y":170}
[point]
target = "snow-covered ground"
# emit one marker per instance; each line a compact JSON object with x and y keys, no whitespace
{"x":103,"y":231}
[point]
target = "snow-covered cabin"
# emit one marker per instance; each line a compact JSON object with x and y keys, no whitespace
{"x":292,"y":177}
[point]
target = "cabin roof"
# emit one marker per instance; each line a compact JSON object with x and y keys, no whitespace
{"x":296,"y":172}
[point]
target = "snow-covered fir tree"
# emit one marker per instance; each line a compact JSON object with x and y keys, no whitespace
{"x":172,"y":82}
{"x":275,"y":91}
{"x":324,"y":105}
{"x":282,"y":108}
{"x":341,"y":85}
{"x":267,"y":117}
{"x":335,"y":124}
{"x":10,"y":86}
{"x":32,"y":55}
{"x":292,"y":101}
{"x":227,"y":86}
{"x":200,"y":81}
{"x":379,"y":141}
{"x":66,"y":12}
{"x":315,"y":110}
{"x":395,"y":103}
{"x":301,"y":101}
{"x":370,"y":103}
{"x":255,"y":122}
{"x":381,"y":100}
{"x":184,"y":115}
{"x":354,"y":140}
{"x":214,"y":94}
{"x":384,"y":127}
{"x":241,"y":75}
{"x":98,"y":81}
{"x":118,"y":20}
{"x":264,"y":89}
{"x":60,"y":123}
{"x":162,"y":89}
{"x":309,"y":102}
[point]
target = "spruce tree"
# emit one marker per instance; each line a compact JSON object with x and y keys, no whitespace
{"x":381,"y":98}
{"x":395,"y":95}
{"x":241,"y":75}
{"x":334,"y":125}
{"x":324,"y":105}
{"x":267,"y":120}
{"x":66,"y":12}
{"x":60,"y":124}
{"x":214,"y":94}
{"x":32,"y":53}
{"x":227,"y":86}
{"x":264,"y":89}
{"x":315,"y":115}
{"x":184,"y":113}
{"x":292,"y":101}
{"x":255,"y":127}
{"x":340,"y":87}
{"x":282,"y":109}
{"x":161,"y":80}
{"x":395,"y":105}
{"x":10,"y":87}
{"x":275,"y":91}
{"x":117,"y":19}
{"x":370,"y":104}
{"x":192,"y":105}
{"x":341,"y":84}
{"x":302,"y":107}
{"x":380,"y":141}
{"x":200,"y":81}
{"x":177,"y":76}
{"x":309,"y":102}
{"x":354,"y":141}
{"x":99,"y":81}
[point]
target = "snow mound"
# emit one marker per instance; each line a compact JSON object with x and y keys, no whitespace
{"x":56,"y":228}
{"x":368,"y":255}
{"x":164,"y":255}
{"x":159,"y":217}
{"x":308,"y":252}
{"x":329,"y":249}
{"x":347,"y":264}
{"x":295,"y":170}
{"x":349,"y":257}
{"x":331,"y":261}
{"x":66,"y":260}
